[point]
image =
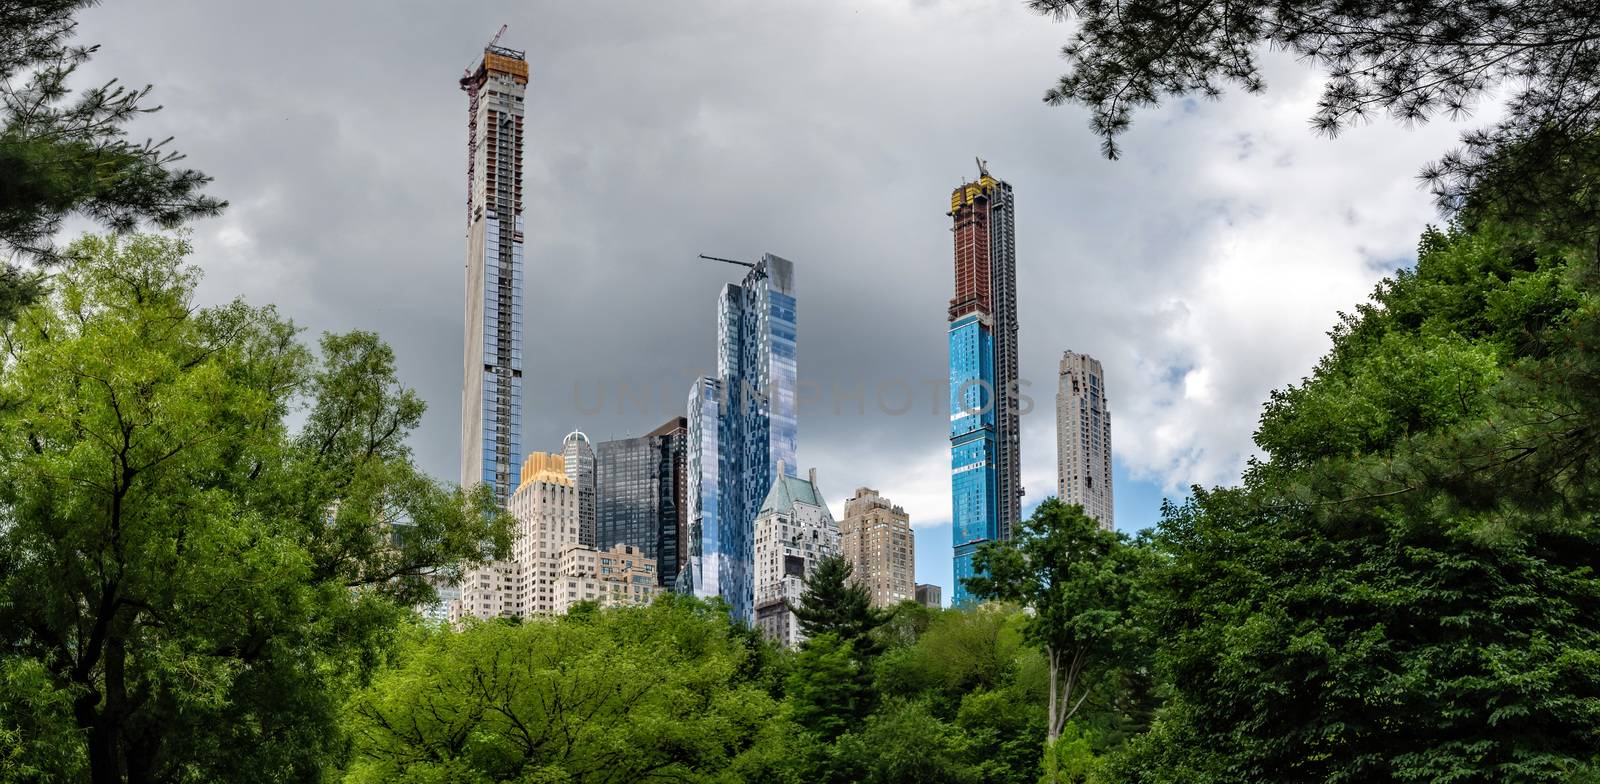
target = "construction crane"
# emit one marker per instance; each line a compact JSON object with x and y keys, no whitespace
{"x":730,"y":261}
{"x":493,"y":42}
{"x":470,"y":85}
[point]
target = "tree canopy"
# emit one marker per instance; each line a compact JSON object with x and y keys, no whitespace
{"x":1404,"y":590}
{"x":624,"y":695}
{"x":186,"y":586}
{"x":1079,"y":584}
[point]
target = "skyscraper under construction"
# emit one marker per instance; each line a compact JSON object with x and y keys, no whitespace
{"x":985,"y":450}
{"x":491,"y":391}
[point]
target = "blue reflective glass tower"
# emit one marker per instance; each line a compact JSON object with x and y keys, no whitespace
{"x":973,"y":482}
{"x":985,"y":444}
{"x":741,"y":429}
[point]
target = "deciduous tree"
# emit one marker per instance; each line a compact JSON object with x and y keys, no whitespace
{"x":1079,"y":584}
{"x":1404,"y":590}
{"x":620,"y":695}
{"x":193,"y":583}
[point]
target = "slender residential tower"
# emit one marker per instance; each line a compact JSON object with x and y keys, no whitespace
{"x":491,"y":391}
{"x":579,"y":456}
{"x":985,"y":450}
{"x":741,"y":433}
{"x":1083,"y":438}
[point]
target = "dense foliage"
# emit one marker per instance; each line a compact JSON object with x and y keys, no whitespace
{"x":1081,"y":585}
{"x":628,"y":695}
{"x":1405,"y":590}
{"x":64,"y":155}
{"x":186,"y":585}
{"x":678,"y":692}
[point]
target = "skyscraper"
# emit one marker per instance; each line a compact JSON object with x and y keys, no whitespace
{"x":578,"y":454}
{"x":741,"y":429}
{"x":640,"y":494}
{"x":875,"y":536}
{"x":491,"y":391}
{"x":1083,"y":438}
{"x":985,"y":450}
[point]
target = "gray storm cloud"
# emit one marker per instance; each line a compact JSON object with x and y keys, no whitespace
{"x":1203,"y":269}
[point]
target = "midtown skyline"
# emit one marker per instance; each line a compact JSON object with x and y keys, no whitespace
{"x":1177,"y":248}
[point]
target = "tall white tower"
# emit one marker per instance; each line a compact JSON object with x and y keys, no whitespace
{"x":1083,"y":438}
{"x":491,"y":390}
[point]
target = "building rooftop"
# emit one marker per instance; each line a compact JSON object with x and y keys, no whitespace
{"x":867,"y":499}
{"x":788,"y":490}
{"x":544,"y":467}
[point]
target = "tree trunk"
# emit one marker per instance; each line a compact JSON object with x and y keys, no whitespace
{"x":105,"y":759}
{"x":103,"y":762}
{"x":1052,"y":734}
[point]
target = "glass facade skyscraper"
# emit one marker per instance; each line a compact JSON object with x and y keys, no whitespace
{"x":985,"y":450}
{"x":641,"y":490}
{"x":578,"y":455}
{"x":491,"y":392}
{"x":742,"y":428}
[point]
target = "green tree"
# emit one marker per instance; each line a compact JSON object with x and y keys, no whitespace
{"x":1080,"y":585}
{"x":972,"y":669}
{"x":620,"y":695}
{"x":834,"y":604}
{"x":963,"y":651}
{"x":1405,"y":589}
{"x":905,"y":742}
{"x":38,"y":739}
{"x":62,"y":155}
{"x":1004,"y":727}
{"x":829,"y":688}
{"x":193,"y":583}
{"x":907,"y":622}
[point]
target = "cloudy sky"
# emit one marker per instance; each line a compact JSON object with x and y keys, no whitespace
{"x":1203,"y":269}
